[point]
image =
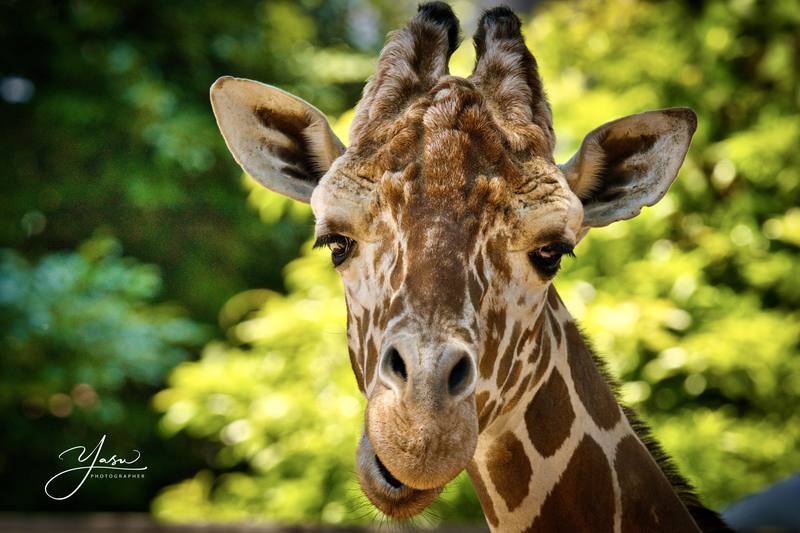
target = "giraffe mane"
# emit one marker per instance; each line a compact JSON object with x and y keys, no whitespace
{"x":707,"y":519}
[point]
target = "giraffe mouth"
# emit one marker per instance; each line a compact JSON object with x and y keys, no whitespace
{"x":388,"y":494}
{"x":387,"y":476}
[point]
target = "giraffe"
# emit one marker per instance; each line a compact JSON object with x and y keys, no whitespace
{"x":447,"y":218}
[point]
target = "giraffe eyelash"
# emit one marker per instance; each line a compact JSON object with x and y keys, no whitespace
{"x":340,"y":246}
{"x":562,"y":248}
{"x":547,"y":259}
{"x":325,"y":240}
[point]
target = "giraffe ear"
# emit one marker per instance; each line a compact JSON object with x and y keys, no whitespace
{"x":283,"y":142}
{"x":629,"y":163}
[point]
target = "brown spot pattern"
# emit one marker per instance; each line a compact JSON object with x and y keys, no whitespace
{"x":583,"y":499}
{"x":553,"y":300}
{"x":509,"y":469}
{"x":549,"y":416}
{"x":555,"y":327}
{"x":498,"y":256}
{"x":541,"y":368}
{"x":648,"y":501}
{"x":371,"y":361}
{"x":539,"y":333}
{"x":510,"y":404}
{"x":495,"y":325}
{"x":513,"y":377}
{"x":540,"y":353}
{"x":592,"y":389}
{"x":508,"y":355}
{"x":356,"y":369}
{"x":524,"y":338}
{"x":483,"y":495}
{"x":475,"y":291}
{"x":544,"y":343}
{"x":480,"y":400}
{"x":484,"y":416}
{"x":397,"y":271}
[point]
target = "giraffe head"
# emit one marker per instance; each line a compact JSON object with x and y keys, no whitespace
{"x":446,"y":216}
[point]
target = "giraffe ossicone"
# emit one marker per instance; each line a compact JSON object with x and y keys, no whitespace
{"x":447,"y":218}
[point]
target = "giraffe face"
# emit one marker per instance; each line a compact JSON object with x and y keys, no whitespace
{"x":446,"y":218}
{"x":435,"y":246}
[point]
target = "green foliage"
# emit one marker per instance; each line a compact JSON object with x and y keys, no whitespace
{"x":91,"y":306}
{"x":117,"y":131}
{"x":280,"y":401}
{"x":81,"y":335}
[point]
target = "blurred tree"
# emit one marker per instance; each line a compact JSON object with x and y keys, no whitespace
{"x":82,"y":344}
{"x":106,"y":123}
{"x":694,"y":302}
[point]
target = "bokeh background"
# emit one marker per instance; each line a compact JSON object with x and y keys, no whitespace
{"x":151,"y":292}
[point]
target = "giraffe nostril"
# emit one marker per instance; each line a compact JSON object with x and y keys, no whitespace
{"x":394,"y":371}
{"x":459,"y":376}
{"x":397,"y":364}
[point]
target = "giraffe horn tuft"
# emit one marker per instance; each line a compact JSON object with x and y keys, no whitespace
{"x":508,"y":76}
{"x":442,"y":14}
{"x":502,"y":21}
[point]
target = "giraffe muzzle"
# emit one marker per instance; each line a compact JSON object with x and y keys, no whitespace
{"x":421,"y":419}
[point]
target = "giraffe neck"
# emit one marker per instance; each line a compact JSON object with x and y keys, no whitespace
{"x":557,"y":453}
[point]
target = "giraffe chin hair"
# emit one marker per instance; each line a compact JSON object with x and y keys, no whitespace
{"x":388,"y":494}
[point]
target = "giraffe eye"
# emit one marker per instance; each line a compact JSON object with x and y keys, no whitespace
{"x":340,"y":246}
{"x":547,"y":259}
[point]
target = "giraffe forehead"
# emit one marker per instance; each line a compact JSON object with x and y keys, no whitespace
{"x":444,"y":160}
{"x":444,"y":199}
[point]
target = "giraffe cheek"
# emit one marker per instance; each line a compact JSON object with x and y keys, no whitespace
{"x":423,"y":447}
